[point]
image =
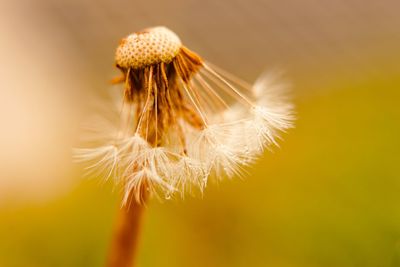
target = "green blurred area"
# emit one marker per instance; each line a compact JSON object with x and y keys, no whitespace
{"x":328,"y":197}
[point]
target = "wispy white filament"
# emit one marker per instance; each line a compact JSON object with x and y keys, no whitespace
{"x":240,"y":122}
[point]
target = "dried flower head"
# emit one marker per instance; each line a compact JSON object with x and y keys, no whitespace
{"x":182,"y":119}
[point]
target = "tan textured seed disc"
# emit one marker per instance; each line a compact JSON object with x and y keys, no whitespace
{"x":151,"y":46}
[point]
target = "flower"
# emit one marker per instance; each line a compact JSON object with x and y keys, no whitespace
{"x":182,"y":120}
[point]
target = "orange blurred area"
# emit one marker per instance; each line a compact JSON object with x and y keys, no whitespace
{"x":328,"y":197}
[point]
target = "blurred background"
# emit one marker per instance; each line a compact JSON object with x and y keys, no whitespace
{"x":330,"y":196}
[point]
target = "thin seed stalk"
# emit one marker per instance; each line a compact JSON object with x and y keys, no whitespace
{"x":125,"y":242}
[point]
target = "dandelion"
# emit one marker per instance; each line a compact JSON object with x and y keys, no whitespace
{"x":183,"y":120}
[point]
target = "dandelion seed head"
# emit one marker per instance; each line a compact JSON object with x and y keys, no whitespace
{"x":182,"y":120}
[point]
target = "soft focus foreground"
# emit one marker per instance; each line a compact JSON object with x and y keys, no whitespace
{"x":328,"y":197}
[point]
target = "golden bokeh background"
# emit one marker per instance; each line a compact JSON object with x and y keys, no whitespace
{"x":329,"y":197}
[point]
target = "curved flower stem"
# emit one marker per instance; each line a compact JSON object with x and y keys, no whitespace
{"x":124,"y":245}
